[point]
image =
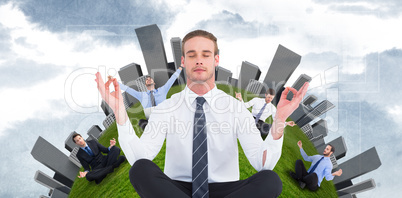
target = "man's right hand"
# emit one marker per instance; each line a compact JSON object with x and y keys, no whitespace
{"x":300,"y":144}
{"x":82,"y":174}
{"x":238,"y":96}
{"x":114,"y":99}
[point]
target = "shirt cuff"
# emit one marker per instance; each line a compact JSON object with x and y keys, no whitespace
{"x":122,"y":87}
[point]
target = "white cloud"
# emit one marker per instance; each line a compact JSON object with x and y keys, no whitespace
{"x":395,"y":112}
{"x":33,"y":101}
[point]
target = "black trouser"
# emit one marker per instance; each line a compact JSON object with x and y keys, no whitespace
{"x":311,"y":179}
{"x":143,"y":123}
{"x":149,"y":181}
{"x":263,"y":127}
{"x":99,"y":172}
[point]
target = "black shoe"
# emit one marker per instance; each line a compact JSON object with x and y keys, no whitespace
{"x":293,"y":175}
{"x":119,"y":161}
{"x":302,"y":184}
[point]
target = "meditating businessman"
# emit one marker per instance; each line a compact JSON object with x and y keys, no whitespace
{"x":152,"y":97}
{"x":262,"y":109}
{"x":96,"y":165}
{"x":201,"y":126}
{"x":321,"y":166}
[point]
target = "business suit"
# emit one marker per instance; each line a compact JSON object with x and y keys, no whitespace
{"x":98,"y":165}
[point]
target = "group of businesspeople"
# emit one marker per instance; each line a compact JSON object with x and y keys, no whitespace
{"x":202,"y":126}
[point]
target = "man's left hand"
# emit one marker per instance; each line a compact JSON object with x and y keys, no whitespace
{"x":112,"y":142}
{"x":285,"y":107}
{"x":290,"y":123}
{"x":339,"y":172}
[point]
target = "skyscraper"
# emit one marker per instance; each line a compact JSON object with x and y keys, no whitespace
{"x":309,"y":100}
{"x":222,"y":75}
{"x":248,"y":72}
{"x":318,"y":110}
{"x":282,"y":66}
{"x":175,"y":42}
{"x":320,"y":127}
{"x":254,"y":86}
{"x":153,"y":50}
{"x":358,"y":187}
{"x":106,"y":108}
{"x":109,"y":120}
{"x":233,"y":81}
{"x":53,"y":158}
{"x":298,"y":84}
{"x":129,"y":73}
{"x":357,"y":166}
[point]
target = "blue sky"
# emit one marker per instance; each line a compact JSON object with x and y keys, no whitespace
{"x":49,"y":52}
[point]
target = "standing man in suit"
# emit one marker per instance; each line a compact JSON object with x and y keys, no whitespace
{"x":96,"y":165}
{"x":321,"y":167}
{"x":262,"y":109}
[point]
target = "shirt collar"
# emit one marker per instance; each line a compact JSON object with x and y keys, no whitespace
{"x":190,"y":96}
{"x":149,"y":91}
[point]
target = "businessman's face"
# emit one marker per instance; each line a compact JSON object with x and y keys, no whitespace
{"x":199,"y":60}
{"x":79,"y":141}
{"x":327,"y":151}
{"x":268,"y":98}
{"x":149,"y":81}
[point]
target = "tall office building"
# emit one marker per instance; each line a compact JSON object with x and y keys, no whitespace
{"x":357,"y":188}
{"x":254,"y":86}
{"x":73,"y":157}
{"x":233,"y":81}
{"x":106,"y":108}
{"x":309,"y":100}
{"x":153,"y":50}
{"x":53,"y":158}
{"x":282,"y":67}
{"x":109,"y":120}
{"x":222,"y":75}
{"x":300,"y":112}
{"x":357,"y":166}
{"x":50,"y":183}
{"x":248,"y":72}
{"x":69,"y":143}
{"x":140,"y":83}
{"x":320,"y":127}
{"x":318,"y":110}
{"x":308,"y":131}
{"x":175,"y":42}
{"x":95,"y":130}
{"x":128,"y":75}
{"x":298,"y":84}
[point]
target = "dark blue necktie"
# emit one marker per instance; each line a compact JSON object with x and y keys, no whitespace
{"x":315,"y":165}
{"x":257,"y":117}
{"x":89,"y":151}
{"x":200,"y":153}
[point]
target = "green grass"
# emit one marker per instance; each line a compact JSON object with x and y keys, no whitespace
{"x":117,"y":184}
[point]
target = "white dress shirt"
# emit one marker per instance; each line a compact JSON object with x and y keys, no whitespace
{"x":226,"y":121}
{"x":257,"y":104}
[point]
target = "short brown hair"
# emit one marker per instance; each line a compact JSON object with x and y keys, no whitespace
{"x":332,"y":148}
{"x":75,"y":135}
{"x":270,"y":91}
{"x":201,"y":33}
